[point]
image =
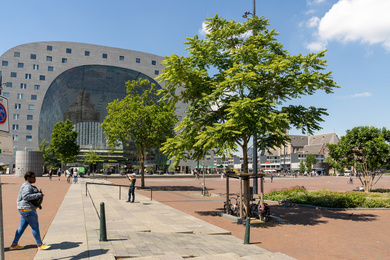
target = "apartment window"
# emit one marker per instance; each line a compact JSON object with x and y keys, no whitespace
{"x":4,"y":63}
{"x":178,"y":109}
{"x":23,"y":85}
{"x":28,"y":76}
{"x":64,"y":60}
{"x":37,"y":87}
{"x":180,"y":118}
{"x":156,"y":72}
{"x":15,"y":127}
{"x":20,"y":96}
{"x":138,"y":60}
{"x":35,"y":67}
{"x":49,"y":58}
{"x":9,"y":84}
{"x":86,"y":53}
{"x":13,"y":74}
{"x":6,"y":94}
{"x":20,"y":65}
{"x":42,"y":77}
{"x":30,"y":117}
{"x":31,"y":107}
{"x":15,"y":137}
{"x":121,"y":57}
{"x":28,"y":127}
{"x":33,"y":56}
{"x":28,"y":138}
{"x":16,"y":54}
{"x":18,"y":106}
{"x":16,"y":116}
{"x":68,"y":50}
{"x":154,"y":62}
{"x":49,"y":47}
{"x":50,"y":68}
{"x":33,"y":97}
{"x":104,"y":55}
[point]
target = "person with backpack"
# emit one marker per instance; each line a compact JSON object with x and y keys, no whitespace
{"x":28,"y":211}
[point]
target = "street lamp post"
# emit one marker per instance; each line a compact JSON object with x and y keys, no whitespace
{"x":254,"y":154}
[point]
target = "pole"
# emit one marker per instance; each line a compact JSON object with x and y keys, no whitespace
{"x":254,"y":163}
{"x":247,"y":230}
{"x":1,"y":226}
{"x":103,"y":230}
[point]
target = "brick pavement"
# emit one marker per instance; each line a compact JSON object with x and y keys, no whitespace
{"x":54,"y":191}
{"x":311,"y":233}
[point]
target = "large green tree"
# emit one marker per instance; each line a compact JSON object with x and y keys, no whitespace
{"x":364,"y":148}
{"x":63,"y":142}
{"x":309,"y":161}
{"x":237,"y":84}
{"x":139,"y":118}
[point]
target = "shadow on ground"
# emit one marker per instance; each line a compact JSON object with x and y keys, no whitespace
{"x":311,"y":216}
{"x":176,"y":188}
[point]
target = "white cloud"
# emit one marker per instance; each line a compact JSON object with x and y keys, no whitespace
{"x":364,"y":21}
{"x":316,"y":46}
{"x":312,"y":2}
{"x":313,"y":22}
{"x":203,"y":30}
{"x":365,"y":94}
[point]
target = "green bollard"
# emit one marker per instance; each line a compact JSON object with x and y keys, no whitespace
{"x":247,"y":230}
{"x":103,"y":231}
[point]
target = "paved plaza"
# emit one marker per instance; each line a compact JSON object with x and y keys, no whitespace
{"x":179,"y":223}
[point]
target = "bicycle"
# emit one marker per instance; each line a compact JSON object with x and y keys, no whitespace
{"x":234,"y":208}
{"x":350,"y":181}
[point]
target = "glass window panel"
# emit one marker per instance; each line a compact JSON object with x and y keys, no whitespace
{"x":49,"y":58}
{"x":16,"y":54}
{"x":20,"y":65}
{"x":33,"y":56}
{"x":49,"y":47}
{"x":4,"y":63}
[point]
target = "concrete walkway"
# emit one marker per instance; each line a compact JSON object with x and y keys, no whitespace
{"x":144,"y":230}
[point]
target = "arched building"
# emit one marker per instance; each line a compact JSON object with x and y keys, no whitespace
{"x":47,"y":82}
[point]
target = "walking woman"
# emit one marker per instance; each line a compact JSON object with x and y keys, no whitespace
{"x":28,"y":212}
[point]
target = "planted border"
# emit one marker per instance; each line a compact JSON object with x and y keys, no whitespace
{"x":332,"y":199}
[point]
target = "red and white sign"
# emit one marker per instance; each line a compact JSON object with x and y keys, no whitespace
{"x":4,"y":114}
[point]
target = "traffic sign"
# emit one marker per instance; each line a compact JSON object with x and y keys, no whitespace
{"x":4,"y":114}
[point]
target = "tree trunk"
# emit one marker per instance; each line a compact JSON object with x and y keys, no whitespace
{"x":245,"y":156}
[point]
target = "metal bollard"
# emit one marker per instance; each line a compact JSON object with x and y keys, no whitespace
{"x":103,"y":231}
{"x":151,"y":193}
{"x":247,"y":230}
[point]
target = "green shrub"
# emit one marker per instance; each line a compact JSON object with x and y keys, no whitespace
{"x":331,"y":199}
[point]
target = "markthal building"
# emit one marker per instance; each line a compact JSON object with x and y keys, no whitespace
{"x":48,"y":82}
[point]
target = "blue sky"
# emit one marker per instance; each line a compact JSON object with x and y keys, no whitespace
{"x":356,"y":34}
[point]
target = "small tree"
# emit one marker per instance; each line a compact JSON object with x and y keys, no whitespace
{"x":366,"y":148}
{"x":91,"y":157}
{"x":47,"y":154}
{"x":302,"y":167}
{"x":331,"y":163}
{"x":139,"y":118}
{"x":64,"y":142}
{"x":310,"y":160}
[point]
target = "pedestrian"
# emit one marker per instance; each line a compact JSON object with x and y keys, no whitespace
{"x":59,"y":174}
{"x":131,"y":187}
{"x":28,"y":212}
{"x":68,"y":173}
{"x":50,"y":173}
{"x":272,"y":178}
{"x":75,"y":175}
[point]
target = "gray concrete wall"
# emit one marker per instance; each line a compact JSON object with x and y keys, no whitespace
{"x":28,"y":161}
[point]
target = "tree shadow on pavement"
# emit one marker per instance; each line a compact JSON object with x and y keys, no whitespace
{"x":311,"y":216}
{"x":177,"y":188}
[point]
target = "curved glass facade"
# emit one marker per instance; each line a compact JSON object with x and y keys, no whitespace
{"x":81,"y":94}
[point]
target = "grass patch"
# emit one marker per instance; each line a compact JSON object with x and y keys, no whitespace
{"x":332,"y":199}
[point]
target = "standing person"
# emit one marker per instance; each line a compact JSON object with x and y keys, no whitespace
{"x":50,"y":173}
{"x":59,"y":174}
{"x":28,"y":212}
{"x":75,"y":175}
{"x":132,"y":186}
{"x":272,"y":177}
